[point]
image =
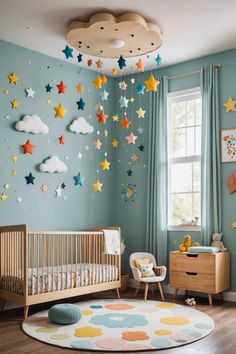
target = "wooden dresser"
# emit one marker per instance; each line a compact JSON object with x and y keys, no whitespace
{"x":203,"y":272}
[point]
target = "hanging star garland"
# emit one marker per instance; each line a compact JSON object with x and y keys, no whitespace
{"x":115,"y":118}
{"x":58,"y":191}
{"x":122,"y":85}
{"x":61,"y":140}
{"x":114,"y":143}
{"x":99,"y":64}
{"x":140,"y":113}
{"x":129,"y":172}
{"x":104,"y":95}
{"x":68,"y":52}
{"x":135,"y":158}
{"x":140,"y":130}
{"x":89,"y":62}
{"x":61,"y":87}
{"x":230,"y":105}
{"x":30,"y":92}
{"x":141,"y":147}
{"x":125,"y":123}
{"x":60,"y":111}
{"x":97,"y":144}
{"x":3,"y":197}
{"x":151,"y":84}
{"x":48,"y":88}
{"x":98,"y":82}
{"x":105,"y":165}
{"x":158,"y":60}
{"x":80,"y":104}
{"x":123,"y":102}
{"x":131,"y":139}
{"x":13,"y":78}
{"x":104,"y":80}
{"x":80,"y":88}
{"x":121,"y":62}
{"x":15,"y":104}
{"x":140,"y":89}
{"x":43,"y":188}
{"x":79,"y":180}
{"x":97,"y":186}
{"x":98,"y":107}
{"x":140,"y":65}
{"x":30,"y":179}
{"x":63,"y":186}
{"x":114,"y":71}
{"x":102,"y":117}
{"x":80,"y":57}
{"x":28,"y":147}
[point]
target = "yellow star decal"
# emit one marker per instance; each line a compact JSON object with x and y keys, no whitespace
{"x":6,"y":92}
{"x":13,"y":172}
{"x":140,"y":112}
{"x":80,"y":88}
{"x":115,"y":118}
{"x":114,"y":71}
{"x":49,"y":101}
{"x":13,"y":78}
{"x":3,"y":196}
{"x":132,"y":99}
{"x":14,"y":158}
{"x":105,"y":165}
{"x":60,"y":111}
{"x":115,"y":143}
{"x":230,"y":105}
{"x":15,"y":104}
{"x":233,"y":225}
{"x":97,"y":186}
{"x":6,"y":185}
{"x":151,"y":84}
{"x":98,"y":82}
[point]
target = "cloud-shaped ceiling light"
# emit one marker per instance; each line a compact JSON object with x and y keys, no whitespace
{"x":53,"y":164}
{"x":32,"y":124}
{"x":81,"y":126}
{"x":129,"y":34}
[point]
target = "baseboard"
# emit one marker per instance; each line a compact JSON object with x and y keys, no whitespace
{"x":228,"y":295}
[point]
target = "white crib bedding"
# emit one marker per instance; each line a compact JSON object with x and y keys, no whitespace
{"x":69,"y":276}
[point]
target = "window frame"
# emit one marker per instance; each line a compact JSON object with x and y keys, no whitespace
{"x":177,"y":96}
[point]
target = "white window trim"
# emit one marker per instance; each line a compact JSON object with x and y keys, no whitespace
{"x":177,"y":96}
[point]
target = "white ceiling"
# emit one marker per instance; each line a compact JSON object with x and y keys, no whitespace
{"x":190,"y":28}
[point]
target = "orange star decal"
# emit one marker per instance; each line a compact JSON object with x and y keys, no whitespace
{"x":61,"y":87}
{"x":28,"y":147}
{"x":125,"y":123}
{"x":102,"y":117}
{"x":140,"y":65}
{"x":61,"y":140}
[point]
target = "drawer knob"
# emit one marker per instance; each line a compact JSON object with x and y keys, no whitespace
{"x":191,"y":273}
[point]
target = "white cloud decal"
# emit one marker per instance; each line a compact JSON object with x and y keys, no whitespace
{"x":53,"y":164}
{"x":81,"y":126}
{"x":32,"y":124}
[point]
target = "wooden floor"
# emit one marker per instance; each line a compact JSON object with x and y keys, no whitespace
{"x":221,"y":341}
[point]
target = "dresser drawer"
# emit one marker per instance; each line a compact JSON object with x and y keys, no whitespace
{"x":198,"y":263}
{"x":193,"y":281}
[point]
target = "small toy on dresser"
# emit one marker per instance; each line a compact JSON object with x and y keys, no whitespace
{"x":217,"y":242}
{"x":187,"y":242}
{"x":190,"y":301}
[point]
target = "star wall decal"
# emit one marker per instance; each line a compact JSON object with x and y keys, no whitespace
{"x":158,"y":59}
{"x":132,"y":80}
{"x":114,"y":143}
{"x":13,"y":78}
{"x":115,"y":118}
{"x":135,"y":158}
{"x":30,"y":179}
{"x":14,"y":158}
{"x":151,"y":83}
{"x":99,"y":64}
{"x":63,"y":186}
{"x":123,"y":102}
{"x":43,"y":188}
{"x":80,"y":57}
{"x":140,"y":89}
{"x":49,"y":101}
{"x":58,"y":191}
{"x":104,"y":95}
{"x":140,"y":130}
{"x":79,"y":180}
{"x":121,"y":62}
{"x":6,"y":185}
{"x":61,"y":87}
{"x":79,"y":156}
{"x":140,"y":113}
{"x":114,"y":71}
{"x":105,"y":165}
{"x":140,"y":65}
{"x":60,"y":111}
{"x":89,"y":62}
{"x":131,"y":139}
{"x":122,"y":85}
{"x":30,"y":92}
{"x":97,"y":144}
{"x":230,"y":105}
{"x":98,"y":107}
{"x":129,"y":172}
{"x":3,"y":196}
{"x":125,"y":123}
{"x":19,"y":199}
{"x":80,"y":87}
{"x":68,"y":52}
{"x":28,"y":147}
{"x":48,"y":88}
{"x":80,"y":104}
{"x":61,"y":140}
{"x":98,"y":82}
{"x":15,"y":104}
{"x":97,"y":186}
{"x":141,"y":147}
{"x":102,"y":117}
{"x":104,"y":79}
{"x":233,"y":225}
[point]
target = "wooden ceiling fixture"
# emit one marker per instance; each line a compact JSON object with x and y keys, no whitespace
{"x":109,"y":36}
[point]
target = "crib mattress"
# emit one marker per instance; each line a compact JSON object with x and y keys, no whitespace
{"x":42,"y":280}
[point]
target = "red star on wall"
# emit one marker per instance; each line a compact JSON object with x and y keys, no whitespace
{"x":61,"y":87}
{"x":61,"y":139}
{"x":28,"y":147}
{"x":102,"y":117}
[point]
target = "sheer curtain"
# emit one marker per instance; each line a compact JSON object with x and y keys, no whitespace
{"x":210,"y":165}
{"x":156,"y":228}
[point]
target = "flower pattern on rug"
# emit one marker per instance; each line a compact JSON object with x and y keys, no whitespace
{"x":119,"y":320}
{"x":88,"y":332}
{"x":133,"y":336}
{"x":119,"y":307}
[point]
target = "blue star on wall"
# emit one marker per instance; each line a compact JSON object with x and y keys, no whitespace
{"x":158,"y":59}
{"x":121,"y":62}
{"x":140,"y":88}
{"x":141,"y":148}
{"x":129,"y":172}
{"x":79,"y":57}
{"x":81,"y":104}
{"x":123,"y":101}
{"x":79,"y":180}
{"x":68,"y":52}
{"x":48,"y":88}
{"x":30,"y":179}
{"x":63,"y":186}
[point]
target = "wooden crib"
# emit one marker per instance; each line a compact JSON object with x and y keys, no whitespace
{"x":44,"y":266}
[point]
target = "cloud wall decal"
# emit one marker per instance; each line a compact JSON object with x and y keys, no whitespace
{"x":32,"y":124}
{"x":81,"y":126}
{"x":53,"y":164}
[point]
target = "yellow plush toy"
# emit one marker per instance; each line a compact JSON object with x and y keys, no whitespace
{"x":187,"y":242}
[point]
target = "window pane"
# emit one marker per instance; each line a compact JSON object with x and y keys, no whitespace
{"x":190,"y":112}
{"x":198,"y":111}
{"x":197,"y":206}
{"x":178,"y":142}
{"x":181,"y":208}
{"x":196,"y":177}
{"x":198,"y":140}
{"x":190,"y":141}
{"x":178,"y":115}
{"x":181,"y":177}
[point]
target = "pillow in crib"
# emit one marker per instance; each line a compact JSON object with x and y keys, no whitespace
{"x":146,"y":270}
{"x":141,"y":261}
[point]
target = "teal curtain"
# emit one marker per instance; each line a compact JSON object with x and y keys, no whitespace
{"x":210,"y":162}
{"x":156,"y":228}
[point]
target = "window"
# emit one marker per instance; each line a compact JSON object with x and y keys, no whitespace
{"x":184,"y":158}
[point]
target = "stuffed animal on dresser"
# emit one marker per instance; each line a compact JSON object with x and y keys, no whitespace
{"x":187,"y":242}
{"x":217,"y":242}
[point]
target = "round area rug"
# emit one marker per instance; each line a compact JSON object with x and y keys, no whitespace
{"x":123,"y":325}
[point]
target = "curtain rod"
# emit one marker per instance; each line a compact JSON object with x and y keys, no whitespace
{"x":217,"y":66}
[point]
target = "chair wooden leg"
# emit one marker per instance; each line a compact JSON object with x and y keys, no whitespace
{"x":26,"y":309}
{"x":145,"y":291}
{"x":3,"y":304}
{"x":118,"y":293}
{"x":161,"y":292}
{"x":137,"y":290}
{"x":210,"y":299}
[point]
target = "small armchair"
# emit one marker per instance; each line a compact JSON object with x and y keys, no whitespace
{"x":161,"y":270}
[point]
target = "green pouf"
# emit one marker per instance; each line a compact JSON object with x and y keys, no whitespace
{"x":64,"y":314}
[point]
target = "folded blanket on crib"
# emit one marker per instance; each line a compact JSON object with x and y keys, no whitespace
{"x":112,"y":242}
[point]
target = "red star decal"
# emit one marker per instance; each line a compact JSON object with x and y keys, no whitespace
{"x":61,"y":139}
{"x":125,"y":123}
{"x":28,"y":147}
{"x":62,"y":87}
{"x":102,"y":117}
{"x":90,"y":62}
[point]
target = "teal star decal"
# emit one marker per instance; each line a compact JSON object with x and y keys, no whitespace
{"x":79,"y":180}
{"x":121,"y":62}
{"x":30,"y":179}
{"x":81,"y":104}
{"x":140,"y":88}
{"x":158,"y":60}
{"x":68,"y":52}
{"x":79,"y":57}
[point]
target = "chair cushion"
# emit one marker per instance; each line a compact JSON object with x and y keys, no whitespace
{"x":64,"y":314}
{"x":140,"y":261}
{"x":146,"y":270}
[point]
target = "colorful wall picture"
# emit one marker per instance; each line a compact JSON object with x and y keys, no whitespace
{"x":228,"y":145}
